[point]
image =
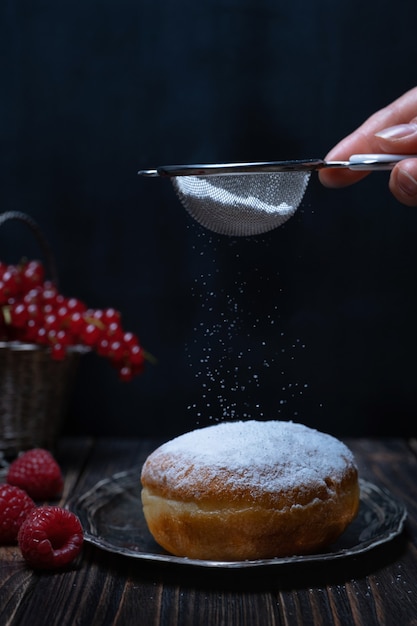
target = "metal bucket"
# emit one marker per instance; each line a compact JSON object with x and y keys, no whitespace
{"x":34,"y":392}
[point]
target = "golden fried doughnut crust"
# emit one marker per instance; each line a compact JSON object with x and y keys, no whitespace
{"x":249,"y":490}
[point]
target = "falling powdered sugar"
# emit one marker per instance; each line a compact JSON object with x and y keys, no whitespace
{"x":240,"y":354}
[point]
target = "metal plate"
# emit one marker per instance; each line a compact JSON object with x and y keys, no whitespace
{"x":112,"y":518}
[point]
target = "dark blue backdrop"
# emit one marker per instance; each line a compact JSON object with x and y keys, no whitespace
{"x":313,"y":322}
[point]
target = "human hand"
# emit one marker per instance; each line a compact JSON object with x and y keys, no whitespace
{"x":392,"y":130}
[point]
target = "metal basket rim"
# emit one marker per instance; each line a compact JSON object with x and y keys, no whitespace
{"x":19,"y":346}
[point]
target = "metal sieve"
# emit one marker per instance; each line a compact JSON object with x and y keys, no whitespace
{"x":243,"y":199}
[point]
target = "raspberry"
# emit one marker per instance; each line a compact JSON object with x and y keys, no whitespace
{"x":37,"y":472}
{"x":15,"y":504}
{"x":50,"y":537}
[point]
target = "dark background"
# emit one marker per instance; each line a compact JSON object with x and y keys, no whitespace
{"x":313,"y":322}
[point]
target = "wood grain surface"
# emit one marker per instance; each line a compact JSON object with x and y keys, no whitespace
{"x":378,"y":587}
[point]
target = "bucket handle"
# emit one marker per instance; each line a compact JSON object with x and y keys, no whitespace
{"x":43,"y":243}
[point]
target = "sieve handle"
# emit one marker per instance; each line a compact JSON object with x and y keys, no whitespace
{"x":150,"y":173}
{"x":257,"y":167}
{"x":375,"y":161}
{"x":367,"y":162}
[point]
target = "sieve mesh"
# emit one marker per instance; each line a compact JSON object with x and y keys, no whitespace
{"x":242,"y":204}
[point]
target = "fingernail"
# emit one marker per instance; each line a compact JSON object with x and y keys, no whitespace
{"x":407,"y":183}
{"x":401,"y":131}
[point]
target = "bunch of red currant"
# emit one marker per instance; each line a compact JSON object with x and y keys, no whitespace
{"x":33,"y":311}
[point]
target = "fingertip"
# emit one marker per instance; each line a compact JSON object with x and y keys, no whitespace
{"x":326,"y":178}
{"x":339,"y":177}
{"x":335,"y":177}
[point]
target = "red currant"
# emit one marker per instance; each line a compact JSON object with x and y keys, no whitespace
{"x":19,"y":314}
{"x":10,"y":280}
{"x":136,"y":356}
{"x":33,"y":310}
{"x":111,"y":315}
{"x":73,"y":304}
{"x":125,"y":373}
{"x":90,"y":334}
{"x":75,"y":323}
{"x":32,"y":274}
{"x":58,"y":352}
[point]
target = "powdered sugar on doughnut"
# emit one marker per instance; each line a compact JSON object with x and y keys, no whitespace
{"x":262,"y":456}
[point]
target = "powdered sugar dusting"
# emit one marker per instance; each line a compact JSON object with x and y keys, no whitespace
{"x":267,"y":456}
{"x":241,"y":355}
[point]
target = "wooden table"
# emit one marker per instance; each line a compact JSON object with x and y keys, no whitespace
{"x":378,"y":587}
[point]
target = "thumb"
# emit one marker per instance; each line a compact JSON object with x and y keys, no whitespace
{"x":403,"y":182}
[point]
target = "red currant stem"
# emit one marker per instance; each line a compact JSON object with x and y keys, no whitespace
{"x":95,"y":322}
{"x":150,"y":357}
{"x":6,"y":315}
